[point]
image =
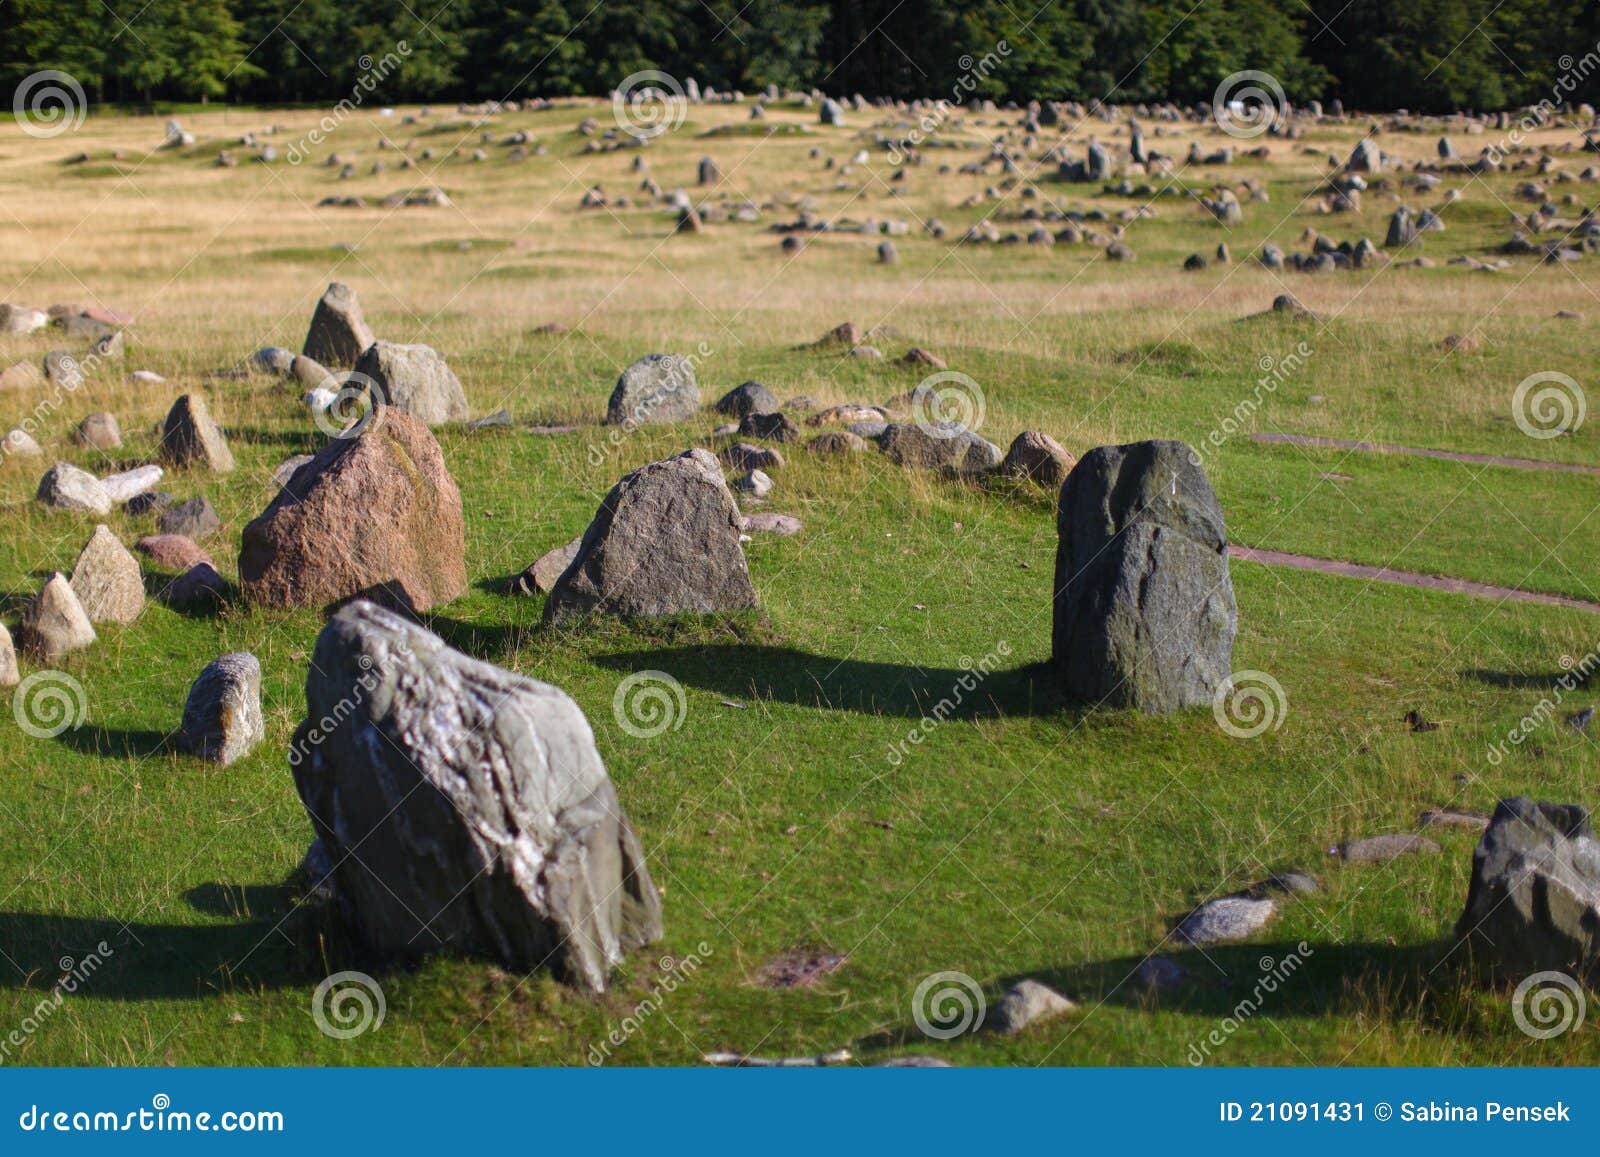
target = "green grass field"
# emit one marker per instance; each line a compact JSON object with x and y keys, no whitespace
{"x":1026,"y":836}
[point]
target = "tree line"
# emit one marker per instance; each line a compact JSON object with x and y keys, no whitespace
{"x":1423,"y":55}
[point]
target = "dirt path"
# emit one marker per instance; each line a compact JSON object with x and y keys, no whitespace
{"x":1419,"y":452}
{"x":1408,"y":578}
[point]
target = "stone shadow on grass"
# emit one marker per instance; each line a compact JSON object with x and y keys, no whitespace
{"x":1524,"y":681}
{"x":114,"y":742}
{"x":745,"y":672}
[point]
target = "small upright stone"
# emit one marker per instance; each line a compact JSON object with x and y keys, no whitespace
{"x":1039,"y":458}
{"x":98,"y":432}
{"x":338,"y":334}
{"x":190,"y":437}
{"x":54,"y":623}
{"x":107,"y":580}
{"x":222,"y":718}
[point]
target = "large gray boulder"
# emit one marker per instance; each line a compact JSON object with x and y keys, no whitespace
{"x":938,"y":446}
{"x":1533,"y":903}
{"x":1144,"y":607}
{"x":416,"y":379}
{"x":464,"y":807}
{"x":656,"y":389}
{"x":338,"y":334}
{"x":664,"y":542}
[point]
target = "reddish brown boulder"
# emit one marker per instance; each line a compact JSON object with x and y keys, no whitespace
{"x":172,"y":551}
{"x":376,"y":515}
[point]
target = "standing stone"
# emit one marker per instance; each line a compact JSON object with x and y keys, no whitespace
{"x":709,"y":173}
{"x":65,"y":487}
{"x":98,"y":432}
{"x":832,"y":112}
{"x":664,"y":542}
{"x":194,"y":519}
{"x":1144,"y":607}
{"x":9,"y":675}
{"x":1366,"y":157}
{"x":374,"y":516}
{"x":1533,"y":902}
{"x":338,"y":334}
{"x":107,"y":580}
{"x":1039,"y":458}
{"x":416,"y":379}
{"x":887,"y":253}
{"x":190,"y":437}
{"x":464,"y":807}
{"x":655,"y":389}
{"x":1402,"y":230}
{"x":222,"y":718}
{"x":54,"y":623}
{"x":540,"y":578}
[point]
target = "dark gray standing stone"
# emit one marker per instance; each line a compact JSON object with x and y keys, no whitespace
{"x":338,"y":334}
{"x":465,"y":808}
{"x":664,"y":542}
{"x":149,"y":502}
{"x":1533,"y":902}
{"x":415,"y":379}
{"x":1402,"y":230}
{"x":832,"y":112}
{"x":194,"y":519}
{"x":189,"y":437}
{"x":750,"y":398}
{"x":1144,"y":607}
{"x":659,"y":388}
{"x":222,"y":718}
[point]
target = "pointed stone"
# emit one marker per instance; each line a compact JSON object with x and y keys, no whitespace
{"x":191,"y":437}
{"x":338,"y":332}
{"x":55,"y":624}
{"x":107,"y":580}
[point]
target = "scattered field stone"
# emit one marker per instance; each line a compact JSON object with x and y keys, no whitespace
{"x":937,"y":447}
{"x":1447,"y":818}
{"x":415,"y":379}
{"x":772,"y":427}
{"x":756,"y":483}
{"x":321,"y":545}
{"x":540,"y":578}
{"x":222,"y":718}
{"x":665,"y":541}
{"x":171,"y":551}
{"x":516,"y":848}
{"x":65,"y":487}
{"x":54,"y":623}
{"x":1039,"y":458}
{"x":107,"y":579}
{"x":744,"y":456}
{"x":1025,"y":1003}
{"x":1382,"y":849}
{"x":917,"y":356}
{"x":20,"y":443}
{"x":198,"y":586}
{"x":339,"y":334}
{"x":749,"y":398}
{"x":190,"y":438}
{"x":130,"y":484}
{"x":1144,"y":608}
{"x":498,"y":420}
{"x":1225,"y":919}
{"x":1290,"y":881}
{"x":194,"y":519}
{"x":847,"y":414}
{"x":9,"y":674}
{"x":869,"y":431}
{"x":98,"y":431}
{"x":22,"y":375}
{"x":1533,"y":899}
{"x":273,"y":360}
{"x":286,"y":469}
{"x":837,"y":442}
{"x":658,"y":388}
{"x":784,"y":525}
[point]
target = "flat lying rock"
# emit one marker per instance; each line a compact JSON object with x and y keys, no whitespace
{"x":54,"y":623}
{"x":785,"y":525}
{"x":540,"y":578}
{"x":65,"y":487}
{"x":415,"y":379}
{"x":195,"y":519}
{"x":1382,"y":849}
{"x":150,"y":502}
{"x":838,"y":442}
{"x":938,"y":447}
{"x":339,"y":334}
{"x":222,"y":718}
{"x":1225,"y":919}
{"x":743,"y":456}
{"x":1447,"y":818}
{"x":129,"y":484}
{"x":1025,"y":1003}
{"x":656,"y":389}
{"x":464,"y":807}
{"x":191,"y":439}
{"x":775,"y":427}
{"x":107,"y":580}
{"x":171,"y":551}
{"x":664,"y":542}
